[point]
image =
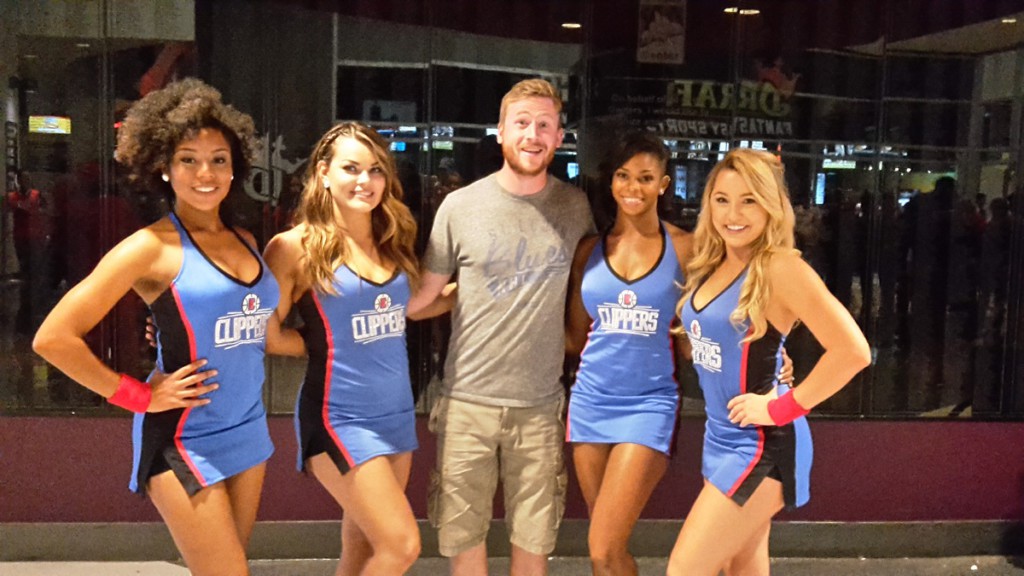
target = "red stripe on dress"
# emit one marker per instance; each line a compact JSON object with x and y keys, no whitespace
{"x":760,"y":431}
{"x":328,"y":370}
{"x":184,"y":415}
{"x":679,"y":399}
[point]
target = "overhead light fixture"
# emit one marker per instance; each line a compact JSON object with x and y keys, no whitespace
{"x":82,"y":45}
{"x":749,"y":12}
{"x":732,"y":10}
{"x":743,"y":12}
{"x":1009,"y":20}
{"x":572,"y":25}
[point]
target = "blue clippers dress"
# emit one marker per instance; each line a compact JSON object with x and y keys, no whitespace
{"x":625,"y":388}
{"x":207,"y":313}
{"x":736,"y":459}
{"x":356,"y":402}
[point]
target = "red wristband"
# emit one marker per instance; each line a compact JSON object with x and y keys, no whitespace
{"x":784,"y":409}
{"x":131,"y":394}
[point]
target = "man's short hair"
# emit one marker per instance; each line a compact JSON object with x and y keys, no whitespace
{"x":531,"y":88}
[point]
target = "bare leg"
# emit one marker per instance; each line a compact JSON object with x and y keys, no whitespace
{"x":630,"y":475}
{"x":355,"y":548}
{"x":590,"y":461}
{"x":523,"y":563}
{"x":472,"y":562}
{"x":244,"y":491}
{"x":717,"y":529}
{"x":204,"y":527}
{"x":373,"y":497}
{"x":752,"y":559}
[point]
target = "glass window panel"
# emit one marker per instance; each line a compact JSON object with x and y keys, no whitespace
{"x":868,"y":107}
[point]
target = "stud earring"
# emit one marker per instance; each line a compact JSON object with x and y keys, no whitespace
{"x":327,"y":184}
{"x":165,"y":177}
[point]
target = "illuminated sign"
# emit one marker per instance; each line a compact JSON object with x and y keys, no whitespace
{"x":49,"y":124}
{"x":830,"y":164}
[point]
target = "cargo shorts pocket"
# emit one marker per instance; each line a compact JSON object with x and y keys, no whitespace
{"x":561,"y":486}
{"x":433,"y":497}
{"x":437,"y":414}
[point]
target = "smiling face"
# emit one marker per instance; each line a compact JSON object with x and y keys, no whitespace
{"x":354,"y":176}
{"x":735,"y":213}
{"x":530,"y":134}
{"x":200,"y":170}
{"x":637,"y":184}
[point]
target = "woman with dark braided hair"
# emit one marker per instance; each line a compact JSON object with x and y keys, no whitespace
{"x":200,"y":443}
{"x":349,"y":268}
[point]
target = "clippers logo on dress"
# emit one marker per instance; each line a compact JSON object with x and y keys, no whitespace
{"x":248,"y":326}
{"x":626,"y":317}
{"x":706,"y":353}
{"x":384,"y":321}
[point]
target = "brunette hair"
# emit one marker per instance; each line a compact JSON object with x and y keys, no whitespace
{"x":394,"y":228}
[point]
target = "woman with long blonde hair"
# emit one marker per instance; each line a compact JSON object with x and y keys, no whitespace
{"x":349,"y":268}
{"x":746,"y":288}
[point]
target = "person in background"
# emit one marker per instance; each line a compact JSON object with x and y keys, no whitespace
{"x":28,"y":235}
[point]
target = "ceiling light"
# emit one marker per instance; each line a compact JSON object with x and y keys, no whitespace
{"x":572,"y":25}
{"x":1009,"y":20}
{"x":749,"y":12}
{"x":732,"y":10}
{"x":82,"y":45}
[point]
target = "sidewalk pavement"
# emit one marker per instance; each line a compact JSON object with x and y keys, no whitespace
{"x":561,"y":566}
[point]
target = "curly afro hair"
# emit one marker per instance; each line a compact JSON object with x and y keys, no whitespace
{"x":156,"y":124}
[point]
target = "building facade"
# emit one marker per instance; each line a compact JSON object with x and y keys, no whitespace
{"x":899,"y":122}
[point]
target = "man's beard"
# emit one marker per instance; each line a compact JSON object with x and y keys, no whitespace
{"x":508,"y":150}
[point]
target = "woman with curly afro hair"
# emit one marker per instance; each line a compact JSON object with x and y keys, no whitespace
{"x":200,"y":437}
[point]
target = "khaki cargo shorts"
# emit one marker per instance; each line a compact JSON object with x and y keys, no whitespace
{"x":476,"y":444}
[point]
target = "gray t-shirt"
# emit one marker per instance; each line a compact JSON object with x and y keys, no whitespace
{"x":513,"y":255}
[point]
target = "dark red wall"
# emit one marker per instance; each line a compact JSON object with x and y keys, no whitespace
{"x":76,"y":470}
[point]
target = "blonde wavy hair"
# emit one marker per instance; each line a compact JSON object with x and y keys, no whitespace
{"x":764,"y":176}
{"x":323,"y":240}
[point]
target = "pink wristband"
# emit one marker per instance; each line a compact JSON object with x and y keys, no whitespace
{"x":131,"y":394}
{"x":784,"y":409}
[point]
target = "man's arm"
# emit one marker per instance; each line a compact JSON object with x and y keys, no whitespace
{"x":431,"y":299}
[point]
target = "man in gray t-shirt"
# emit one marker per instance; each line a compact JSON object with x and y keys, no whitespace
{"x":512,"y":253}
{"x":510,"y":237}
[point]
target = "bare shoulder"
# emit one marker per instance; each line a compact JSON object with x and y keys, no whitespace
{"x":150,"y":256}
{"x":289,"y":241}
{"x":585,"y":247}
{"x":789,"y":269}
{"x":148,"y":244}
{"x":586,"y":244}
{"x":682,"y":240}
{"x":285,"y":246}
